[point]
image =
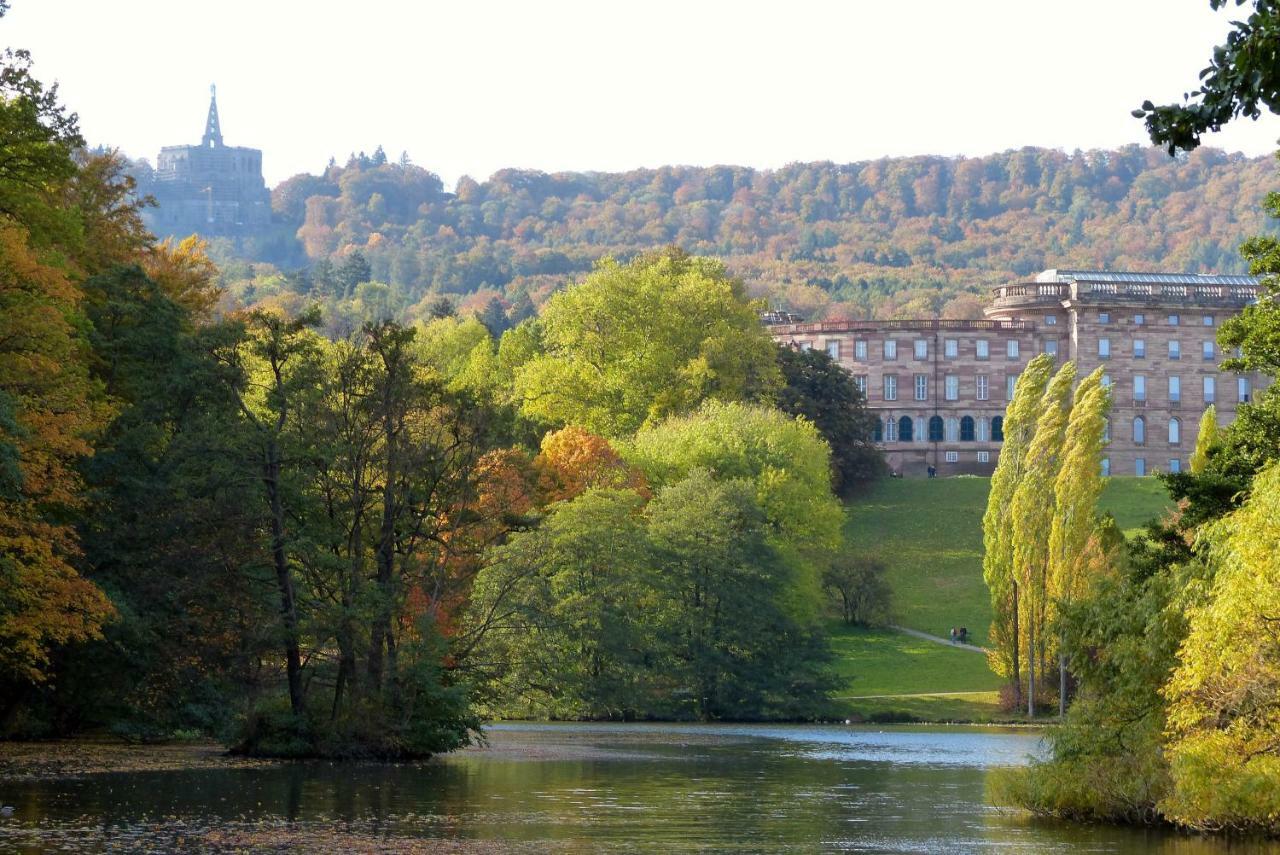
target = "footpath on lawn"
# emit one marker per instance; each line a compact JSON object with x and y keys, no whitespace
{"x":929,"y":534}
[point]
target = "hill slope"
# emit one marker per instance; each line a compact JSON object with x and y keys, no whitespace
{"x":929,"y":533}
{"x":915,"y":236}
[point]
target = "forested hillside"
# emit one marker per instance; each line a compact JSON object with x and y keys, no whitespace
{"x":895,"y":237}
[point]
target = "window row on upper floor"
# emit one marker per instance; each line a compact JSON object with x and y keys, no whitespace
{"x":888,"y":349}
{"x":1208,"y":388}
{"x":1139,"y":319}
{"x":1138,"y":349}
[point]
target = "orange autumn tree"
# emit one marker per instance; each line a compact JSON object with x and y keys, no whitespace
{"x":47,"y":410}
{"x":574,"y":460}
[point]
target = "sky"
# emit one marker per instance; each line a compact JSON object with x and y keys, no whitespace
{"x":471,"y":87}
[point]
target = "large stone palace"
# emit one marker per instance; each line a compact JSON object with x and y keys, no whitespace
{"x":940,"y":387}
{"x":209,"y":189}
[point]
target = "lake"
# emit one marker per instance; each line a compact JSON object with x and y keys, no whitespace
{"x":580,"y":787}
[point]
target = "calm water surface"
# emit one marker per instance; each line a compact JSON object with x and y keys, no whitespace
{"x":588,"y":788}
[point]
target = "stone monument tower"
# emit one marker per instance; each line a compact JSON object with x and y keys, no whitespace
{"x":209,"y":189}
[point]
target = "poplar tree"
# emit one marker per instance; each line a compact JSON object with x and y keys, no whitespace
{"x":997,"y":560}
{"x":1031,"y":514}
{"x":1076,"y":490}
{"x":1205,"y":437}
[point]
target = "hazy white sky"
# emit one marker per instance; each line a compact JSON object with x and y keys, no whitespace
{"x":472,"y":87}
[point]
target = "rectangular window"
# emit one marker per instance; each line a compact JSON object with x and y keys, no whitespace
{"x":1106,"y":381}
{"x":922,"y":349}
{"x":983,"y":393}
{"x":1139,"y":349}
{"x":952,"y":387}
{"x":982,"y":349}
{"x":1139,"y":387}
{"x":890,"y":387}
{"x":1175,"y":349}
{"x":1242,"y":390}
{"x":1139,"y":320}
{"x":1051,"y":348}
{"x":1175,"y":389}
{"x":1010,"y":382}
{"x":919,"y":432}
{"x":1104,"y":348}
{"x":1210,"y":390}
{"x":1175,"y":465}
{"x":806,"y":345}
{"x":891,"y":429}
{"x":1207,"y":350}
{"x":984,"y":456}
{"x":953,"y":457}
{"x":860,"y":350}
{"x":1174,"y":320}
{"x":953,"y":430}
{"x":1208,"y":320}
{"x":1104,"y":317}
{"x":1011,"y":348}
{"x":890,"y":349}
{"x":922,"y":387}
{"x":1106,"y":467}
{"x":833,"y":349}
{"x":952,"y":348}
{"x":1140,"y":466}
{"x":1050,"y":320}
{"x":860,"y":380}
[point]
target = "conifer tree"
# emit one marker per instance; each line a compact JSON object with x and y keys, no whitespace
{"x":1205,"y":437}
{"x":997,"y":561}
{"x":1031,"y":514}
{"x":1076,"y":490}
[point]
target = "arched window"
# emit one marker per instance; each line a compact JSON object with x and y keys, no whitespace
{"x":997,"y":429}
{"x":1175,"y":431}
{"x":935,"y":429}
{"x":1139,"y":431}
{"x":877,"y":435}
{"x":904,"y":429}
{"x":966,"y":429}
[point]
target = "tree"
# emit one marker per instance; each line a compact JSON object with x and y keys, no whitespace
{"x":1031,"y":515}
{"x":1075,"y":496}
{"x":1224,"y":696}
{"x":822,"y":391}
{"x":1205,"y":438}
{"x":573,"y":461}
{"x":1242,"y":79}
{"x":998,"y":568}
{"x":560,"y":608}
{"x":858,"y":583}
{"x":354,"y":270}
{"x":632,"y":344}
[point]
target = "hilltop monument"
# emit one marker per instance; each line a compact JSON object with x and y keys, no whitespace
{"x":209,"y":189}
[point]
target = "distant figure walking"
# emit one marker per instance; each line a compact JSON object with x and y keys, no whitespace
{"x":933,"y":473}
{"x":964,"y":635}
{"x":953,"y":635}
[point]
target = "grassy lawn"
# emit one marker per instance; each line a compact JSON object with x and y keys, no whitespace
{"x":929,"y":533}
{"x":881,"y":662}
{"x":884,"y":662}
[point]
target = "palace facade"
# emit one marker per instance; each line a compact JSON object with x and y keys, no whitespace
{"x":940,"y":387}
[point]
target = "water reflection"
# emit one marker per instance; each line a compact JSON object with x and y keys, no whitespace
{"x":581,"y":787}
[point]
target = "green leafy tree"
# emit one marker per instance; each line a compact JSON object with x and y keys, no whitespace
{"x":1075,"y":495}
{"x":998,"y":568}
{"x":1242,"y":79}
{"x":1031,"y":515}
{"x":857,"y":583}
{"x":633,"y":344}
{"x":820,"y":390}
{"x":1206,"y":436}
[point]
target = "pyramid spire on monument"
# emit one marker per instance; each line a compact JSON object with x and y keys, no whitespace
{"x":212,"y":130}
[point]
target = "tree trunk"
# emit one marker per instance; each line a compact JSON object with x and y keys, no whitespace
{"x":1062,"y":685}
{"x":1031,"y":670}
{"x":284,"y":578}
{"x":1017,"y":662}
